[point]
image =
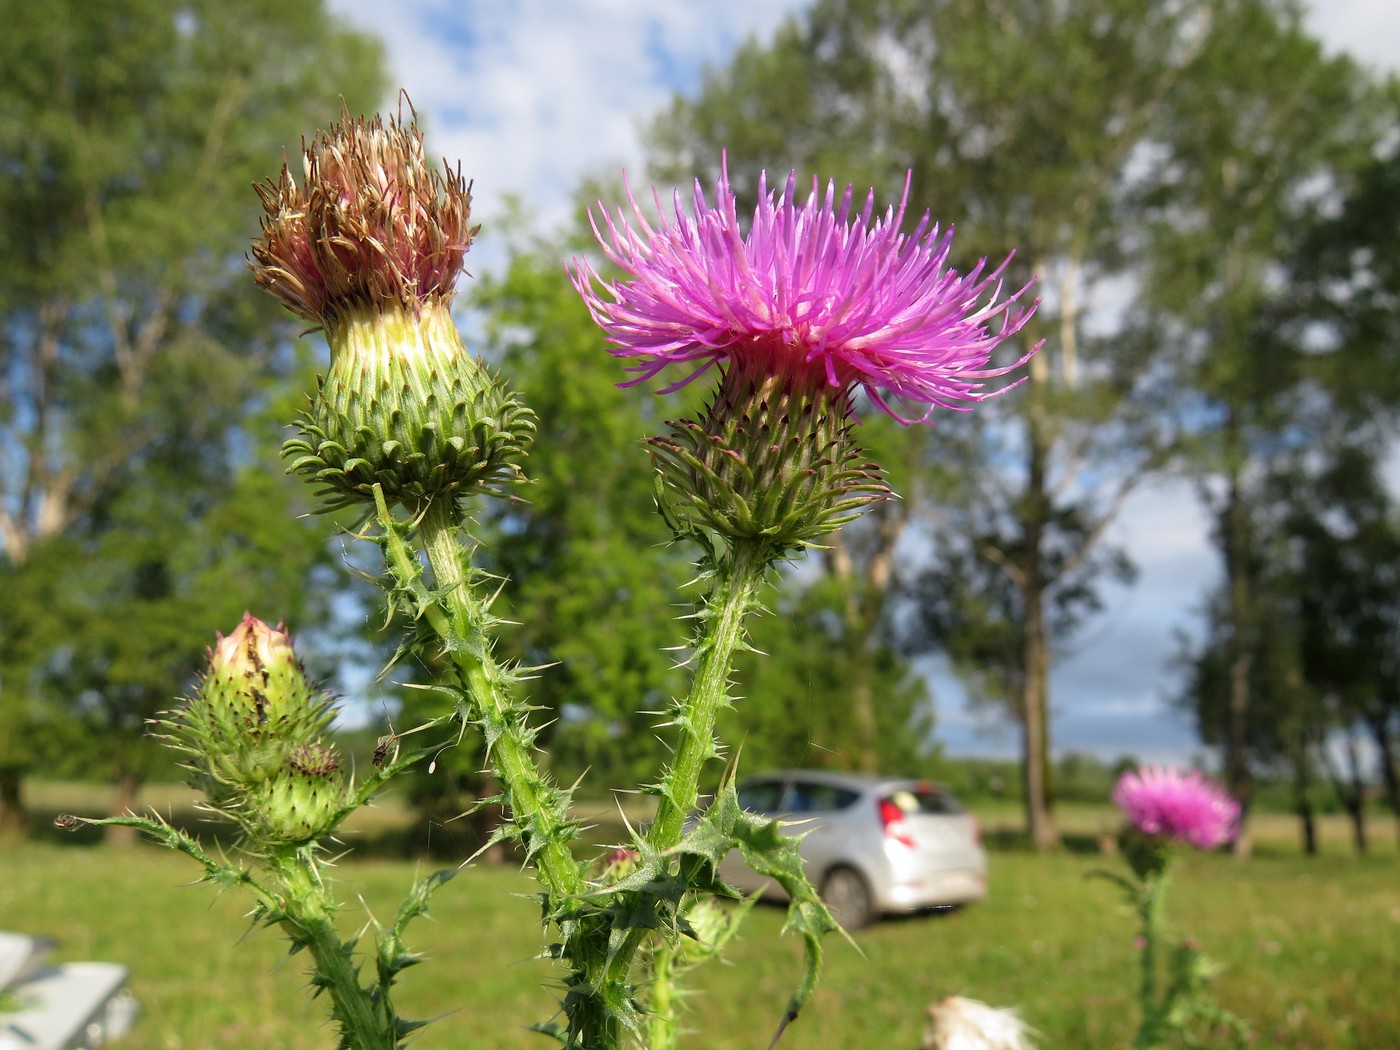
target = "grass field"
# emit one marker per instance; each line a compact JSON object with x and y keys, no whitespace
{"x":1312,"y":946}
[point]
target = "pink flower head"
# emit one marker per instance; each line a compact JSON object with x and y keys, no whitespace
{"x":809,"y":287}
{"x":1185,"y":807}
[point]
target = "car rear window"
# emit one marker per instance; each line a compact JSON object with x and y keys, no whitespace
{"x":923,"y":798}
{"x":777,"y":796}
{"x":817,"y":798}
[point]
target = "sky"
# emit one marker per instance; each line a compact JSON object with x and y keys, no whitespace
{"x":534,"y":96}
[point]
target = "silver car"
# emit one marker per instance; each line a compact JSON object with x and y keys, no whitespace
{"x":871,"y":844}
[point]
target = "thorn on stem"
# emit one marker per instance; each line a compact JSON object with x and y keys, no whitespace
{"x":788,"y":1018}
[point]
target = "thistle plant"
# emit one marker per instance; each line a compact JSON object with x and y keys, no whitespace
{"x":1166,"y":810}
{"x":813,"y":310}
{"x":251,"y":739}
{"x":807,"y":307}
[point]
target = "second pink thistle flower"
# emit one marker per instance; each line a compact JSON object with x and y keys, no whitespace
{"x":1183,"y":807}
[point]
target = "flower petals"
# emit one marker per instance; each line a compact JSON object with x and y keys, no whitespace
{"x":1185,"y":807}
{"x":868,"y":305}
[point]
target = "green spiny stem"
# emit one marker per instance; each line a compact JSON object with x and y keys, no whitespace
{"x":1150,"y":907}
{"x":735,"y":595}
{"x":363,"y":1026}
{"x":535,"y":805}
{"x":663,"y":1027}
{"x":306,"y":915}
{"x":301,"y":906}
{"x":530,"y":797}
{"x":220,"y":873}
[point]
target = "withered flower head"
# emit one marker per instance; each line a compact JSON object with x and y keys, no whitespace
{"x":372,"y":223}
{"x":369,"y":248}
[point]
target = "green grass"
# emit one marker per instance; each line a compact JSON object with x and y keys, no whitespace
{"x":1310,"y":944}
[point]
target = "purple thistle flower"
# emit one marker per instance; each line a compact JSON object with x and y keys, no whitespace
{"x":1184,"y":807}
{"x":809,"y":288}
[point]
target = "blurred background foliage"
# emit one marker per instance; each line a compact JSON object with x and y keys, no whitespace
{"x":145,"y":381}
{"x":1207,"y":198}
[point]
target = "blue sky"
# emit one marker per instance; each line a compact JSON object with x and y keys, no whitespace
{"x":534,"y":96}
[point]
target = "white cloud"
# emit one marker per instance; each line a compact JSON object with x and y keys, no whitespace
{"x":535,"y":95}
{"x":1368,"y":29}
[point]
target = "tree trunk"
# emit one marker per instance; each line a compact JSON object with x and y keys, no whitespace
{"x":1303,"y":804}
{"x":1356,"y":796}
{"x":1035,"y":706}
{"x":1379,"y":724}
{"x":867,"y":751}
{"x":1236,"y":545}
{"x":14,"y":819}
{"x":1309,"y":823}
{"x":861,"y":616}
{"x":126,"y":796}
{"x":1040,"y":818}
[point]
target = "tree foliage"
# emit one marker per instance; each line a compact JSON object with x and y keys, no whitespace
{"x":1255,"y":152}
{"x":135,"y":357}
{"x":798,"y":708}
{"x":1135,"y":155}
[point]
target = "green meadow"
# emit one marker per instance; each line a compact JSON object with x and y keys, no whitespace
{"x":1311,"y":945}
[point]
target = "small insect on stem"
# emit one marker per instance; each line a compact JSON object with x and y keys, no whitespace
{"x":389,"y":741}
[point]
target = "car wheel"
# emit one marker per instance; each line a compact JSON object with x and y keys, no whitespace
{"x":848,"y":898}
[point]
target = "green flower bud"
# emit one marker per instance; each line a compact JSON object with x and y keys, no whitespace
{"x":406,"y":407}
{"x":710,"y":926}
{"x":1148,"y":855}
{"x":773,"y":462}
{"x":301,"y":802}
{"x":370,"y":249}
{"x":251,"y":712}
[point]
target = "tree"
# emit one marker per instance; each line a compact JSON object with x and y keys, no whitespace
{"x":1323,"y":576}
{"x":1290,"y":730}
{"x":1348,"y":541}
{"x":133,"y":348}
{"x":1251,"y":150}
{"x":1347,"y":274}
{"x":1029,"y":125}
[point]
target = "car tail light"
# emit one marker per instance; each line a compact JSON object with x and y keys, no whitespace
{"x":892,"y":817}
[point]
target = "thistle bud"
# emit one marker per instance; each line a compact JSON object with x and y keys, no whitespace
{"x":302,"y":800}
{"x":773,"y":461}
{"x":1148,"y":855}
{"x":251,"y":713}
{"x":619,"y":863}
{"x":369,"y":249}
